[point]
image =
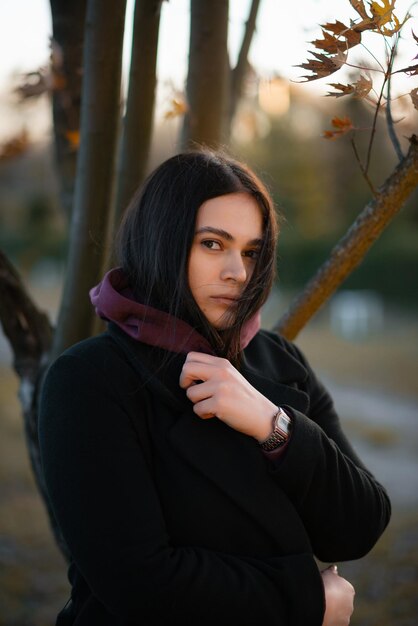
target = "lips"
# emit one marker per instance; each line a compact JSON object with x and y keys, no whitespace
{"x":224,"y":298}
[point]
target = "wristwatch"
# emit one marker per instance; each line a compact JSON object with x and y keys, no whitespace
{"x":282,"y":425}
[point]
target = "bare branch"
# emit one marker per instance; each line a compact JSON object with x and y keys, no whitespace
{"x":27,"y":329}
{"x":351,"y":249}
{"x":365,"y":174}
{"x":239,"y":71}
{"x":391,"y":127}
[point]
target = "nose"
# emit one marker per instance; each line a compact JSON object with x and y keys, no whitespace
{"x":234,"y":268}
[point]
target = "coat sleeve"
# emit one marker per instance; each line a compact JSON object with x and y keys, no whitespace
{"x":108,"y":509}
{"x":343,"y":507}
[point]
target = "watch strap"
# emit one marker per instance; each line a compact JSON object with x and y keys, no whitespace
{"x":281,"y":429}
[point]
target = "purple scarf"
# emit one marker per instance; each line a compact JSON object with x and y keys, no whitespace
{"x":114,"y":301}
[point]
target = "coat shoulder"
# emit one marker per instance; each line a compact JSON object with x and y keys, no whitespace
{"x":270,"y":351}
{"x":91,"y":359}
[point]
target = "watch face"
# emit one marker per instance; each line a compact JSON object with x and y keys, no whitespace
{"x":283,"y":422}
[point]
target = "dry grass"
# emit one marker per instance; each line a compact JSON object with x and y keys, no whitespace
{"x":32,"y":572}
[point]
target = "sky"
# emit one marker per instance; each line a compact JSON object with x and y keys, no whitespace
{"x":280,"y":43}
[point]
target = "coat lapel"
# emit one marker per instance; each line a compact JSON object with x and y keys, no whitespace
{"x":231,"y":460}
{"x":234,"y":463}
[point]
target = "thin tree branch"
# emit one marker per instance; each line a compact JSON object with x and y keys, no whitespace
{"x":389,"y":119}
{"x":351,"y":249}
{"x":366,"y":176}
{"x":391,"y":127}
{"x":239,"y":71}
{"x":372,"y":135}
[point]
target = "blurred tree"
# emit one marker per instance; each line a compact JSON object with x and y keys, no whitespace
{"x":93,"y":30}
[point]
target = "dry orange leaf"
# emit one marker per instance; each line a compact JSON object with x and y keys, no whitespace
{"x":383,"y":13}
{"x":362,"y":86}
{"x":178,"y":107}
{"x":344,"y":90}
{"x":323,"y":65}
{"x":342,"y":126}
{"x":73,"y":138}
{"x":15,"y":147}
{"x":333,"y":43}
{"x":358,"y":5}
{"x":359,"y":89}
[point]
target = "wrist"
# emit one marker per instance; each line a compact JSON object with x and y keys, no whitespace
{"x":265,"y":422}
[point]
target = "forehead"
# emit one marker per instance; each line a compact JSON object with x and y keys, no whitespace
{"x":237,"y":213}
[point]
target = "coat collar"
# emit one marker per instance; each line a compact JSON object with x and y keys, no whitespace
{"x":232,"y":460}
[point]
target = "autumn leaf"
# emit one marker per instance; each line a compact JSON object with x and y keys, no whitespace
{"x":15,"y":147}
{"x":323,"y":65}
{"x":351,"y":37}
{"x":414,"y":97}
{"x":358,"y":5}
{"x":342,"y":125}
{"x":362,"y":86}
{"x":383,"y":13}
{"x":73,"y":138}
{"x":412,"y":70}
{"x":329,"y":43}
{"x":345,"y":90}
{"x":332,"y":43}
{"x":177,"y":107}
{"x":359,"y":89}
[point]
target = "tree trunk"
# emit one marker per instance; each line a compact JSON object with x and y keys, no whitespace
{"x":207,"y":81}
{"x":352,"y":248}
{"x":67,"y":32}
{"x":95,"y":168}
{"x":138,"y":121}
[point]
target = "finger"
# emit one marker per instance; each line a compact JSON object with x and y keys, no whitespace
{"x":193,"y":371}
{"x":204,"y":409}
{"x":202,"y":391}
{"x":202,"y":357}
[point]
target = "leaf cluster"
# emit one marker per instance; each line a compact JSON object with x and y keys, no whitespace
{"x":332,"y":54}
{"x":337,"y":38}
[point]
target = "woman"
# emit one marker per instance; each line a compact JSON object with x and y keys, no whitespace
{"x":194,"y":463}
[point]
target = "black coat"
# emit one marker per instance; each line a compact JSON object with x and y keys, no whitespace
{"x":174,"y":519}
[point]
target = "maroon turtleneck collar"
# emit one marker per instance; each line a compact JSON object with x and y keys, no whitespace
{"x":114,"y":301}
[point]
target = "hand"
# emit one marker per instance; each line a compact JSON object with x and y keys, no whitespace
{"x":339,"y":598}
{"x":223,"y":392}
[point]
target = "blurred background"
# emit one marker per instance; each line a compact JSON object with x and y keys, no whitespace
{"x":363,"y":342}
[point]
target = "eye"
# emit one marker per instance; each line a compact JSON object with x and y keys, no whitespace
{"x":252,"y":254}
{"x":211,"y":244}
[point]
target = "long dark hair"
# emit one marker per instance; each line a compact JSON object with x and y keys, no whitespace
{"x":156,"y":234}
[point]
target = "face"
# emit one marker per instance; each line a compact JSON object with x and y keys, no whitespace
{"x":228,"y":237}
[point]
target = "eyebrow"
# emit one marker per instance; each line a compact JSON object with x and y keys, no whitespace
{"x":225,"y":235}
